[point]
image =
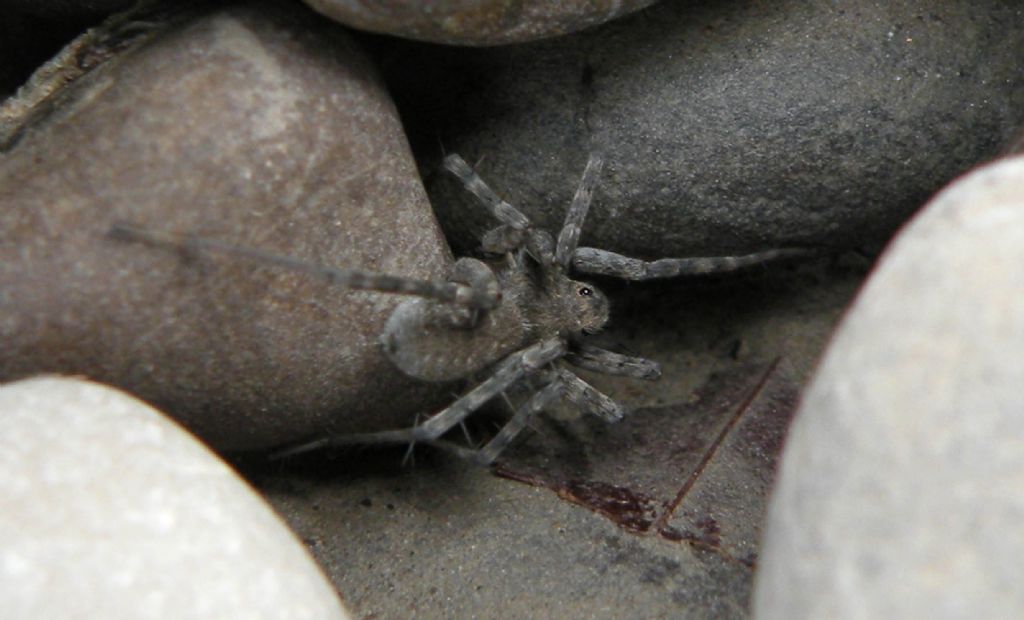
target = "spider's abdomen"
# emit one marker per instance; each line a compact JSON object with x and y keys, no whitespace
{"x":420,"y":341}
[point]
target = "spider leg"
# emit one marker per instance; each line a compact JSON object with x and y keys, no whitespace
{"x":410,"y":450}
{"x":603,"y":262}
{"x":509,"y":371}
{"x":561,"y":382}
{"x":515,"y":367}
{"x":400,"y":436}
{"x":611,"y":363}
{"x":485,"y":292}
{"x":502,"y":240}
{"x":409,"y":458}
{"x":515,"y":230}
{"x":589,"y":399}
{"x":540,"y":245}
{"x":465,"y":433}
{"x":569,"y":236}
{"x":542,"y":398}
{"x":486,"y":455}
{"x":505,"y":239}
{"x":478,"y":295}
{"x":502,"y":211}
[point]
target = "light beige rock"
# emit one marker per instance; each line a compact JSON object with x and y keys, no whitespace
{"x":111,"y":510}
{"x":901,"y":489}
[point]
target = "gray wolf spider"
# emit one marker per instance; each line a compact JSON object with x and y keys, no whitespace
{"x":509,"y":318}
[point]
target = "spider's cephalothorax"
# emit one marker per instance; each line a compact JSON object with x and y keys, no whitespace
{"x":586,"y":308}
{"x":513,"y":318}
{"x":436,"y":341}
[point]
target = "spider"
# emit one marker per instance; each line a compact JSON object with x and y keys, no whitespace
{"x":510,"y":318}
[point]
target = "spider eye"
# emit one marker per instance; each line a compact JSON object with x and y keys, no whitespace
{"x":586,"y":291}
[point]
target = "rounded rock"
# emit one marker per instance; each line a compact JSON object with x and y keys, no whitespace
{"x":257,"y":125}
{"x":725,"y":128}
{"x":475,"y":22}
{"x":112,"y":511}
{"x":900,"y":493}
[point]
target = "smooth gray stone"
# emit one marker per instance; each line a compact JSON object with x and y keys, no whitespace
{"x":111,"y":510}
{"x":901,"y":489}
{"x":726,"y":127}
{"x":475,"y":22}
{"x":259,"y":125}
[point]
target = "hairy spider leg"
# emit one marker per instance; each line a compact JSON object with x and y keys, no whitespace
{"x":516,"y":366}
{"x":352,"y":439}
{"x":501,"y":240}
{"x":569,"y":236}
{"x":559,"y":383}
{"x":481,"y":280}
{"x":515,"y":230}
{"x":478,"y":292}
{"x":502,"y":211}
{"x":607,"y":362}
{"x":397,"y":436}
{"x":606,"y":263}
{"x":536,"y":403}
{"x":589,"y":399}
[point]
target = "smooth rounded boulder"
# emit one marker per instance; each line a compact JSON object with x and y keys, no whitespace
{"x":900,"y":492}
{"x":475,"y":22}
{"x":112,"y":510}
{"x":257,"y":125}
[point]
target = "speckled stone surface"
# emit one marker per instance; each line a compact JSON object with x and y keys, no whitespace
{"x":258,"y":125}
{"x":475,"y":22}
{"x":901,"y":492}
{"x":111,"y":510}
{"x":726,"y":127}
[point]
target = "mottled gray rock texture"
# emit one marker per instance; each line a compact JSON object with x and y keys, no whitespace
{"x":901,"y":492}
{"x":727,"y":127}
{"x":110,"y":510}
{"x":475,"y":22}
{"x":259,"y":125}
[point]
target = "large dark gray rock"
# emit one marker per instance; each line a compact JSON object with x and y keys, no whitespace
{"x":475,"y":22}
{"x":113,"y":511}
{"x":259,"y":125}
{"x":726,"y":127}
{"x":901,"y":492}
